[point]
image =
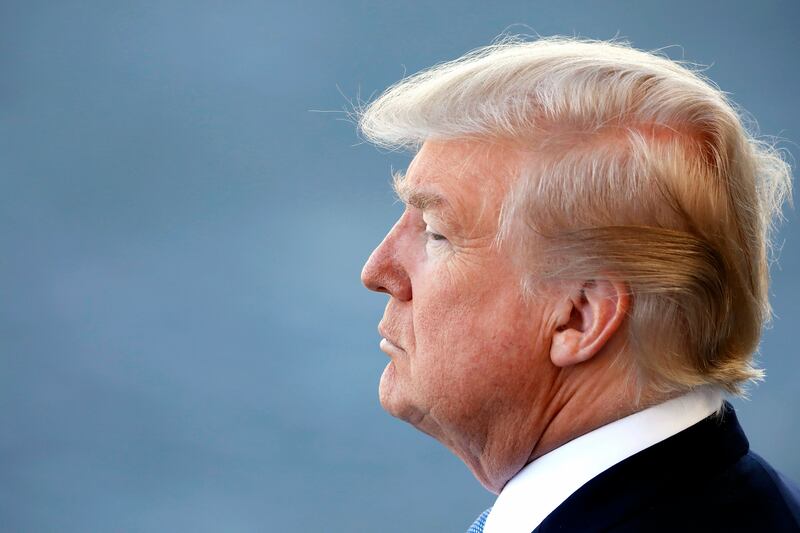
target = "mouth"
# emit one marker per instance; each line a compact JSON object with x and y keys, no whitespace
{"x":387,"y":344}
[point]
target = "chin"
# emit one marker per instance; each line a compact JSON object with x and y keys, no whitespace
{"x":392,"y":396}
{"x":387,"y":390}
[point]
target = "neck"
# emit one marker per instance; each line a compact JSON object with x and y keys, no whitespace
{"x":579,"y":399}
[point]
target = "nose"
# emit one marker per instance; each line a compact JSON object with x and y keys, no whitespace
{"x":384,"y":270}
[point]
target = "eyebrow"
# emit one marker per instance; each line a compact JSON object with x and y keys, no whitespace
{"x":420,"y":199}
{"x":426,"y":200}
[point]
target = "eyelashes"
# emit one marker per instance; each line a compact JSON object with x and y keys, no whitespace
{"x":431,"y":236}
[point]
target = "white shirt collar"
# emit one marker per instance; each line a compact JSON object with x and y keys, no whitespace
{"x":541,"y":486}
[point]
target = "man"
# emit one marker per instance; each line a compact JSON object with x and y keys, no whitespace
{"x":580,"y":273}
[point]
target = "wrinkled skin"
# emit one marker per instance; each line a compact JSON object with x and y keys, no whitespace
{"x":471,"y":361}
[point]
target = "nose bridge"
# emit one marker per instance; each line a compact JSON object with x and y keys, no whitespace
{"x":381,"y":255}
{"x":384,"y":270}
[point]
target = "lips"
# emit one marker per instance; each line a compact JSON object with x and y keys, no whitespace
{"x":388,"y":342}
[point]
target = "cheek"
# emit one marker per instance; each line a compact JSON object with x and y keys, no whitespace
{"x":443,"y":343}
{"x":472,"y":330}
{"x":460,"y":333}
{"x":466,"y":335}
{"x":442,"y":314}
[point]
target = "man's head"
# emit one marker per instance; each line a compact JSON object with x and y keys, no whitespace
{"x":581,"y":216}
{"x":470,"y":354}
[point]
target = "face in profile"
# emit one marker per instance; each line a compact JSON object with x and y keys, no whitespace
{"x":465,"y":348}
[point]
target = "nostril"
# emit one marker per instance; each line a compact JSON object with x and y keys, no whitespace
{"x":372,"y":282}
{"x":384,"y":272}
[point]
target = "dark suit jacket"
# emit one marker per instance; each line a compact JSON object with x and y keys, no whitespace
{"x":705,"y":478}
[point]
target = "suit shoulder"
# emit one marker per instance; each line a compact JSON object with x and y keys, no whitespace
{"x":778,"y":492}
{"x":747,"y":496}
{"x":704,"y":478}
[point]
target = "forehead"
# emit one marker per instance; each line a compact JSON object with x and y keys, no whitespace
{"x":464,"y":178}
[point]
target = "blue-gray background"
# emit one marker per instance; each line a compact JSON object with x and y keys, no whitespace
{"x":184,"y":341}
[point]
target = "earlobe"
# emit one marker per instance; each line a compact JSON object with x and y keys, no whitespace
{"x":586,"y":321}
{"x":564,"y":350}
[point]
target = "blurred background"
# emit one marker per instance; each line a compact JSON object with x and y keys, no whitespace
{"x":184,"y":341}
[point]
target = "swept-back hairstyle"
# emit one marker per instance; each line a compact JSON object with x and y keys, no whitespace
{"x":638,"y":169}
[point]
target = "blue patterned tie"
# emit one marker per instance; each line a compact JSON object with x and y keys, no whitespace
{"x":477,"y":526}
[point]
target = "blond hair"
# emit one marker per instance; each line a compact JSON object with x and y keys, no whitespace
{"x":638,"y":168}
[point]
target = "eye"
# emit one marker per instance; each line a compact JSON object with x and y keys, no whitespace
{"x":434,"y":236}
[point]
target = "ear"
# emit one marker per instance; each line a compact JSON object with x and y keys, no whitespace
{"x":587,"y":319}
